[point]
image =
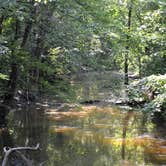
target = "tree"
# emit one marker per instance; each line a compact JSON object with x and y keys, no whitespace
{"x":12,"y":83}
{"x":41,"y":41}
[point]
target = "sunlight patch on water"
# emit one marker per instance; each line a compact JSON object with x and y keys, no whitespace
{"x":62,"y":129}
{"x":109,"y":128}
{"x":152,"y":146}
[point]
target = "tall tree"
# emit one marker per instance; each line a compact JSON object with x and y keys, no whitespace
{"x":128,"y":38}
{"x":12,"y":83}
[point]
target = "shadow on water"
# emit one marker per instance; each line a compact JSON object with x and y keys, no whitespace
{"x":26,"y":128}
{"x":6,"y":139}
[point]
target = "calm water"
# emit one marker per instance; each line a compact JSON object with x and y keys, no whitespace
{"x":86,"y":135}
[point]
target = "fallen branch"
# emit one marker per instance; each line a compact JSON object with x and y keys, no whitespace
{"x":9,"y":150}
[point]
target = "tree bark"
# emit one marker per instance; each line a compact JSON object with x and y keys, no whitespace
{"x":126,"y":80}
{"x":139,"y":66}
{"x":1,"y":23}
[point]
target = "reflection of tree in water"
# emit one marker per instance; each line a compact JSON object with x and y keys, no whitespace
{"x":124,"y":132}
{"x":30,"y":128}
{"x":159,"y":120}
{"x":84,"y":147}
{"x":157,"y":152}
{"x":67,"y":151}
{"x":5,"y":139}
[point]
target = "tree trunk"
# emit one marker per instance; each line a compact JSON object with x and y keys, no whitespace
{"x":126,"y":81}
{"x":39,"y":48}
{"x":26,"y":33}
{"x":139,"y":66}
{"x":1,"y":23}
{"x":12,"y":84}
{"x":9,"y":96}
{"x":37,"y":54}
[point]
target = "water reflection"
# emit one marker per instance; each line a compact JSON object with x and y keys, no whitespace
{"x":5,"y":140}
{"x":124,"y":132}
{"x":27,"y":128}
{"x":111,"y":141}
{"x":95,"y":136}
{"x":88,"y":135}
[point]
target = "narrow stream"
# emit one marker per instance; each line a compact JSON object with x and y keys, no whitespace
{"x":88,"y":135}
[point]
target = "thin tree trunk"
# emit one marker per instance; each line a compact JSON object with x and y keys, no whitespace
{"x":1,"y":23}
{"x":41,"y":33}
{"x":37,"y":53}
{"x":139,"y":66}
{"x":26,"y":33}
{"x":126,"y":81}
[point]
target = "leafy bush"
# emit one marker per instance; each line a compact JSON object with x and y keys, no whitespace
{"x":152,"y":91}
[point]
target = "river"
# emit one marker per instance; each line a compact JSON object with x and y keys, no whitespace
{"x":91,"y":134}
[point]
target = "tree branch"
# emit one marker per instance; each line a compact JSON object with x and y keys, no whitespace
{"x":10,"y":150}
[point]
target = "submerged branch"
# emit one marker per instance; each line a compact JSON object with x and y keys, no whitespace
{"x":27,"y":161}
{"x":8,"y":151}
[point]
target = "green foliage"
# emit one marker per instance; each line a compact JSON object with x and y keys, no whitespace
{"x":159,"y":103}
{"x":3,"y":77}
{"x":152,"y":90}
{"x":64,"y":37}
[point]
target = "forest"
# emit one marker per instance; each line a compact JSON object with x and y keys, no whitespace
{"x":82,"y":82}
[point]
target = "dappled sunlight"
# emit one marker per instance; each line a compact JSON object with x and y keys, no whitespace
{"x":108,"y":127}
{"x":62,"y":129}
{"x":88,"y":137}
{"x":53,"y":114}
{"x":100,"y":126}
{"x":108,"y":110}
{"x":89,"y":108}
{"x":64,"y":115}
{"x":125,"y":163}
{"x":85,"y":111}
{"x":128,"y":141}
{"x":152,"y":146}
{"x":72,"y":108}
{"x":100,"y":134}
